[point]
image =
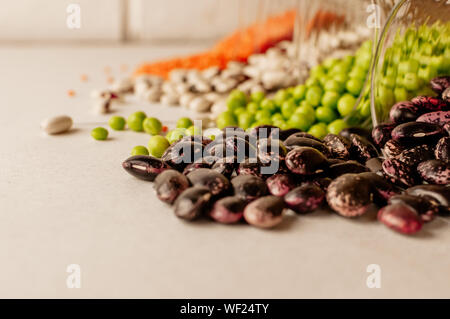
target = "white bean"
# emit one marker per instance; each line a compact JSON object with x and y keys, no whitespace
{"x":169,"y":99}
{"x":169,"y":88}
{"x":152,"y":95}
{"x":124,"y":85}
{"x":185,"y":99}
{"x":200,"y":104}
{"x":57,"y":124}
{"x":211,"y":72}
{"x":178,"y":75}
{"x":202,"y":86}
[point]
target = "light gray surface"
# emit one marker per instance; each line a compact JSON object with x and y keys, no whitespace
{"x":66,"y":200}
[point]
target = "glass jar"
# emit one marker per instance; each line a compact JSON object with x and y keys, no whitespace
{"x":413,"y":48}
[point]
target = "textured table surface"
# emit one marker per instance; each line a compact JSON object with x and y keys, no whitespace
{"x":66,"y":200}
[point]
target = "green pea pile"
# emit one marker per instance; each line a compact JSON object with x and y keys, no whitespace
{"x":319,"y":106}
{"x":415,"y":57}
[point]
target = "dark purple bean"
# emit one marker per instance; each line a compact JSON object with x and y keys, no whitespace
{"x":392,"y":148}
{"x":214,"y":181}
{"x":182,"y":153}
{"x":362,"y":149}
{"x":144,"y":167}
{"x":306,"y":161}
{"x":440,"y":84}
{"x":413,"y":156}
{"x":439,"y":117}
{"x":322,"y":182}
{"x":437,"y":194}
{"x":228,"y":210}
{"x":250,"y":167}
{"x":442,"y":151}
{"x":416,"y":133}
{"x":435,"y":172}
{"x":348,"y":167}
{"x":403,"y":112}
{"x":284,"y":134}
{"x":429,"y":104}
{"x":358,"y":131}
{"x":382,"y":189}
{"x":332,"y":161}
{"x":446,"y":95}
{"x":249,"y":187}
{"x":265,"y":212}
{"x":271,"y":150}
{"x":350,"y":195}
{"x":295,"y":141}
{"x":401,"y":218}
{"x":338,"y":146}
{"x":382,"y":133}
{"x":263,"y":131}
{"x":398,"y":172}
{"x":426,"y":209}
{"x":196,"y":165}
{"x":305,"y":198}
{"x":192,"y":203}
{"x":169,"y":185}
{"x":280,"y":184}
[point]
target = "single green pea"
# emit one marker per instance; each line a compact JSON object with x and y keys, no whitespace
{"x":311,"y":82}
{"x":325,"y":114}
{"x":117,"y":123}
{"x":299,"y":92}
{"x":268,"y":105}
{"x":385,"y":96}
{"x":334,"y":85}
{"x":364,"y":110}
{"x":314,"y":95}
{"x":135,"y":121}
{"x":252,"y":107}
{"x":157,"y":145}
{"x":99,"y":133}
{"x":184,"y":122}
{"x":299,"y":121}
{"x":358,"y":73}
{"x":340,"y":78}
{"x":354,"y":86}
{"x":308,"y":112}
{"x":236,"y":99}
{"x":388,"y":82}
{"x":193,"y":131}
{"x":281,"y":96}
{"x":330,"y":99}
{"x":226,"y":119}
{"x":152,"y":125}
{"x":345,"y":104}
{"x":139,"y":150}
{"x":245,"y":120}
{"x":317,"y":71}
{"x":239,"y":111}
{"x":175,"y":135}
{"x":411,"y":82}
{"x":277,"y":116}
{"x":257,"y":97}
{"x":337,"y":126}
{"x":329,"y":63}
{"x":318,"y":130}
{"x":400,"y":94}
{"x":288,"y":108}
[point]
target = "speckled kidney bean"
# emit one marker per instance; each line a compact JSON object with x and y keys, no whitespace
{"x":249,"y":187}
{"x":426,"y":209}
{"x":361,"y":149}
{"x":284,"y":134}
{"x":214,"y":181}
{"x":295,"y":141}
{"x":401,"y":218}
{"x":404,"y":112}
{"x":439,"y":117}
{"x":440,"y":84}
{"x":415,"y":155}
{"x":398,"y":172}
{"x":435,"y":172}
{"x":182,"y":153}
{"x":250,"y":167}
{"x":305,"y":198}
{"x":228,"y":210}
{"x":265,"y":212}
{"x":392,"y":148}
{"x":271,"y":150}
{"x":225,"y":166}
{"x":437,"y":194}
{"x":382,"y":133}
{"x":306,"y":135}
{"x":429,"y":104}
{"x":144,"y":167}
{"x":416,"y":132}
{"x":350,"y":195}
{"x":192,"y":203}
{"x":338,"y":146}
{"x":375,"y":164}
{"x":337,"y":170}
{"x":442,"y":151}
{"x":280,"y":184}
{"x":169,"y":185}
{"x":358,"y":131}
{"x":306,"y":161}
{"x":382,"y":189}
{"x":322,"y":182}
